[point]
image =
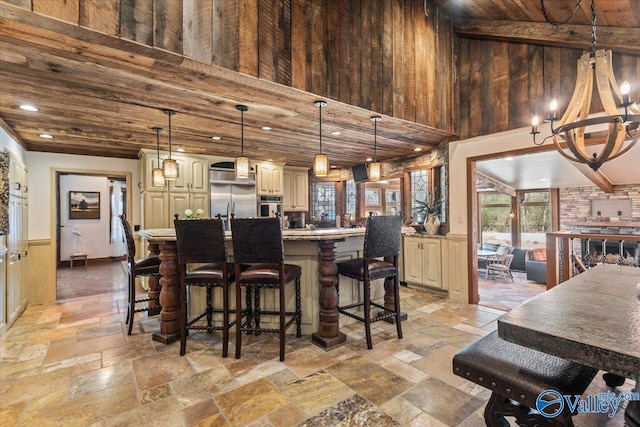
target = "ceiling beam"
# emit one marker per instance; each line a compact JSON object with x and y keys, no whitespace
{"x":495,"y":185}
{"x":618,"y":39}
{"x":596,"y":177}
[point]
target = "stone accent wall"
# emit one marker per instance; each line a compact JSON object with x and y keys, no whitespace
{"x":576,"y":215}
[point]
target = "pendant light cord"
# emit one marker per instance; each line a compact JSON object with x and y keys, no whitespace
{"x":242,"y":133}
{"x":169,"y":113}
{"x":320,"y":122}
{"x":375,"y":140}
{"x":158,"y":143}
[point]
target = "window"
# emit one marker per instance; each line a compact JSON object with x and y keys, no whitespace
{"x":419,"y":191}
{"x":534,"y":218}
{"x":324,"y":201}
{"x":495,"y":220}
{"x":351,"y":198}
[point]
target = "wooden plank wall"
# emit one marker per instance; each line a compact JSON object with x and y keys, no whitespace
{"x":503,"y":84}
{"x":394,"y":57}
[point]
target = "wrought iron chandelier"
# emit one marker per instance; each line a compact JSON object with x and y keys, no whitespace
{"x":575,"y":130}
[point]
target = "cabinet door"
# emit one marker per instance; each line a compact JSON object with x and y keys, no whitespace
{"x":14,"y":260}
{"x":155,"y":210}
{"x":200,"y":201}
{"x":301,"y":191}
{"x":432,"y":260}
{"x":199,"y":175}
{"x":182,"y":182}
{"x":16,"y":177}
{"x":178,"y":203}
{"x":269,"y":179}
{"x":276,"y":180}
{"x":3,"y":293}
{"x":289,"y":192}
{"x":412,"y":254}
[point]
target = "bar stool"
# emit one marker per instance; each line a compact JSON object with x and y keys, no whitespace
{"x":148,"y":266}
{"x":202,"y":241}
{"x":381,"y":239}
{"x":258,"y":247}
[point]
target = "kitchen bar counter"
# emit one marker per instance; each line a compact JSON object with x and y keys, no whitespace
{"x":315,"y":251}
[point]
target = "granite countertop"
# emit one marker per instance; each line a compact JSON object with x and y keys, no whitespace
{"x":593,"y":319}
{"x":288,"y":234}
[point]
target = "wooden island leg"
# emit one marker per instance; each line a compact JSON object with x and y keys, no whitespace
{"x":153,"y":282}
{"x":328,"y":334}
{"x":169,"y":294}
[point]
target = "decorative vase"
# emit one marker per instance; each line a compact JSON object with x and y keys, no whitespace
{"x":431,"y":224}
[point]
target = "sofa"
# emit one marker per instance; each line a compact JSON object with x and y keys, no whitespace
{"x":536,"y":265}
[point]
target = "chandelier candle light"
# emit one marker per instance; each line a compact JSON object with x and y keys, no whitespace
{"x":320,"y":161}
{"x":571,"y":132}
{"x":374,"y":167}
{"x":169,"y":165}
{"x":157,"y":174}
{"x":242,"y":162}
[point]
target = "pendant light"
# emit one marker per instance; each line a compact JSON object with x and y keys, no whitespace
{"x":169,"y":165}
{"x":374,"y":167}
{"x":320,"y":161}
{"x":242,"y":162}
{"x":157,"y":174}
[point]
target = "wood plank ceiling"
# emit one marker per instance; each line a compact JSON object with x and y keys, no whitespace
{"x":100,"y":95}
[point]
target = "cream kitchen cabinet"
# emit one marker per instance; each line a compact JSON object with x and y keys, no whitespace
{"x":423,"y":261}
{"x":155,"y":209}
{"x":269,"y":179}
{"x":296,"y":189}
{"x":179,"y":202}
{"x":193,"y":175}
{"x":193,"y":172}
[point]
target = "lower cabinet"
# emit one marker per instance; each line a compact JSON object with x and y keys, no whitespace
{"x":423,"y":261}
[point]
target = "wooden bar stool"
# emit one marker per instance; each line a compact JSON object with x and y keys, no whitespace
{"x":258,"y":247}
{"x":148,"y":266}
{"x":381,"y":240}
{"x":202,"y":242}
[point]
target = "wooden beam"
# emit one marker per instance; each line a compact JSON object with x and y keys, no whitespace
{"x":12,"y":133}
{"x":618,"y":39}
{"x":596,"y":177}
{"x":495,"y":184}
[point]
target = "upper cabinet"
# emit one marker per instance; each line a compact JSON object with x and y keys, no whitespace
{"x":296,"y":189}
{"x":269,"y":179}
{"x":193,"y":172}
{"x":193,"y":175}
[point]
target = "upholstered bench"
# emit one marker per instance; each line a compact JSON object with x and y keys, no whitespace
{"x":516,"y":373}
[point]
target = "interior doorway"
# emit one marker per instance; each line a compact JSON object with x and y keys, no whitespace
{"x":89,"y":244}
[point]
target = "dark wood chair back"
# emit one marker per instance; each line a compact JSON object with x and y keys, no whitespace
{"x":257,"y":240}
{"x":382,"y":236}
{"x":200,"y":241}
{"x":128,"y":235}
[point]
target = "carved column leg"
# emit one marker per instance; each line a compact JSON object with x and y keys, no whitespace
{"x":154,"y":283}
{"x":169,"y":294}
{"x":328,"y":334}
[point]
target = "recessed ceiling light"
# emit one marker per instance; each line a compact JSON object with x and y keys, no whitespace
{"x":417,"y":149}
{"x":27,"y":107}
{"x":508,"y":159}
{"x":180,"y":150}
{"x":333,"y":167}
{"x":543,"y":179}
{"x":216,"y":138}
{"x":45,"y":136}
{"x":266,"y":128}
{"x":368,"y":159}
{"x":269,"y":160}
{"x":336,"y":133}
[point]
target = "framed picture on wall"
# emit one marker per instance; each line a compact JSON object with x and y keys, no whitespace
{"x":84,"y":205}
{"x":372,"y":197}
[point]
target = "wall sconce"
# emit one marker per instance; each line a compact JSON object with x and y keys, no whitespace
{"x":157,"y":175}
{"x":170,"y":166}
{"x":242,"y":162}
{"x":320,"y":161}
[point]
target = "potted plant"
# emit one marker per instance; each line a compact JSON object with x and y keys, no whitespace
{"x":429,"y":211}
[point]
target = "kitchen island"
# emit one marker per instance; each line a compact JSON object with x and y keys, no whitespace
{"x":315,"y":251}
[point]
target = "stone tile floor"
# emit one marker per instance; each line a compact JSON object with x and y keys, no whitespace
{"x":71,"y":363}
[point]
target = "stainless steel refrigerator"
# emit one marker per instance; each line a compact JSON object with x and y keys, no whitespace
{"x":231,"y":195}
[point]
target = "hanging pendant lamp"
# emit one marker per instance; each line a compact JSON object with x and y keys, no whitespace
{"x":169,"y":165}
{"x":242,"y":162}
{"x":320,"y":160}
{"x":157,"y":175}
{"x":374,"y":167}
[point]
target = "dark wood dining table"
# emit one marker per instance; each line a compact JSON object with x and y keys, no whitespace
{"x":592,"y":319}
